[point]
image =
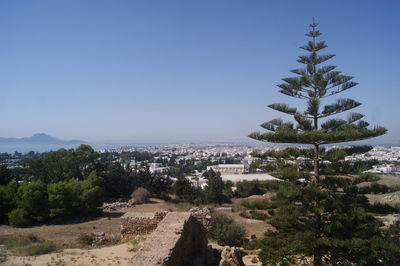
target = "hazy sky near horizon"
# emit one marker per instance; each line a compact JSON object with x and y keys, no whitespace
{"x":183,"y":70}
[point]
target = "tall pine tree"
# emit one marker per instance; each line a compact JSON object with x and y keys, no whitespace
{"x":322,"y":218}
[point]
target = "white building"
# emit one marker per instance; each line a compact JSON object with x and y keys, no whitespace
{"x":233,"y":169}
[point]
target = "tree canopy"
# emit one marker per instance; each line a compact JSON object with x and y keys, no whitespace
{"x":322,"y":217}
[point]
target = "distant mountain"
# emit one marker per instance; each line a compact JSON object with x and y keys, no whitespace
{"x":38,"y":139}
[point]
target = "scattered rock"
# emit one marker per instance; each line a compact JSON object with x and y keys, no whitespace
{"x":390,"y":219}
{"x":224,"y":209}
{"x":99,"y":238}
{"x":119,"y":205}
{"x":232,"y":256}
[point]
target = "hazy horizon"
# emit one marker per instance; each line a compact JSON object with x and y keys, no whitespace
{"x":188,"y":71}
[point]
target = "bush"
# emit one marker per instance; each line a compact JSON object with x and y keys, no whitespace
{"x":370,"y":177}
{"x":140,"y":195}
{"x":226,"y":231}
{"x":85,"y":239}
{"x":19,"y":218}
{"x":255,"y":187}
{"x":254,"y":215}
{"x":257,"y":204}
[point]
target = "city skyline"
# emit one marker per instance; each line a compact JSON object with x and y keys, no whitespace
{"x":177,"y":71}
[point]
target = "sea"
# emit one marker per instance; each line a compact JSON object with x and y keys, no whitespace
{"x":22,"y":148}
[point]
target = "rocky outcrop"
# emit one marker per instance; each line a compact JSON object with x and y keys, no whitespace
{"x":232,"y":256}
{"x":139,"y":223}
{"x":178,"y":239}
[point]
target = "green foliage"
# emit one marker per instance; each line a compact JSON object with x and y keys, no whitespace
{"x":255,"y":187}
{"x":36,"y":202}
{"x":62,"y":165}
{"x":215,"y":188}
{"x":32,"y":204}
{"x":258,"y":204}
{"x":320,"y":217}
{"x":7,"y":200}
{"x":85,"y":239}
{"x":256,"y":215}
{"x":225,"y":231}
{"x":19,"y":218}
{"x":370,"y":177}
{"x":5,"y":175}
{"x":120,"y":182}
{"x":184,"y":189}
{"x":75,"y":198}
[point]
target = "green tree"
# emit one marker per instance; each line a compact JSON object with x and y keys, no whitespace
{"x":32,"y":205}
{"x":225,"y":230}
{"x":183,"y":189}
{"x":5,"y":175}
{"x":215,"y":188}
{"x":322,"y":217}
{"x":7,"y":200}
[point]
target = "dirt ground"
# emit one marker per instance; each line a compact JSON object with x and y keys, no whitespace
{"x":113,"y":255}
{"x":389,"y":198}
{"x":388,"y":180}
{"x":66,"y":234}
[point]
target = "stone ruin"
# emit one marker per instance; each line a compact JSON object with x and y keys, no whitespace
{"x":177,"y":238}
{"x":139,"y":223}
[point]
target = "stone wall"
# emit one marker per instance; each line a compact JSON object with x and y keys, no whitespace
{"x":139,"y":223}
{"x":178,"y":239}
{"x":203,"y":216}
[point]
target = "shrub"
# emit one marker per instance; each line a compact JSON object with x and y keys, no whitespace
{"x":255,"y":187}
{"x":225,"y":230}
{"x":85,"y":239}
{"x":254,"y":215}
{"x":19,"y":218}
{"x":140,"y":195}
{"x":258,"y":204}
{"x":370,"y":177}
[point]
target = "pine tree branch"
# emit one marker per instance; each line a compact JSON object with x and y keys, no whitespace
{"x":284,"y":108}
{"x":340,"y":106}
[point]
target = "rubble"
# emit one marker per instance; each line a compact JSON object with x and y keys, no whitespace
{"x":118,"y":205}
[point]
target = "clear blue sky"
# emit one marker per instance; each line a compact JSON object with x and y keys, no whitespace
{"x":182,"y":70}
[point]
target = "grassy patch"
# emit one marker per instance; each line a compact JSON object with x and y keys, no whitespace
{"x":135,"y":243}
{"x":29,"y":246}
{"x":254,"y":215}
{"x":3,"y":254}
